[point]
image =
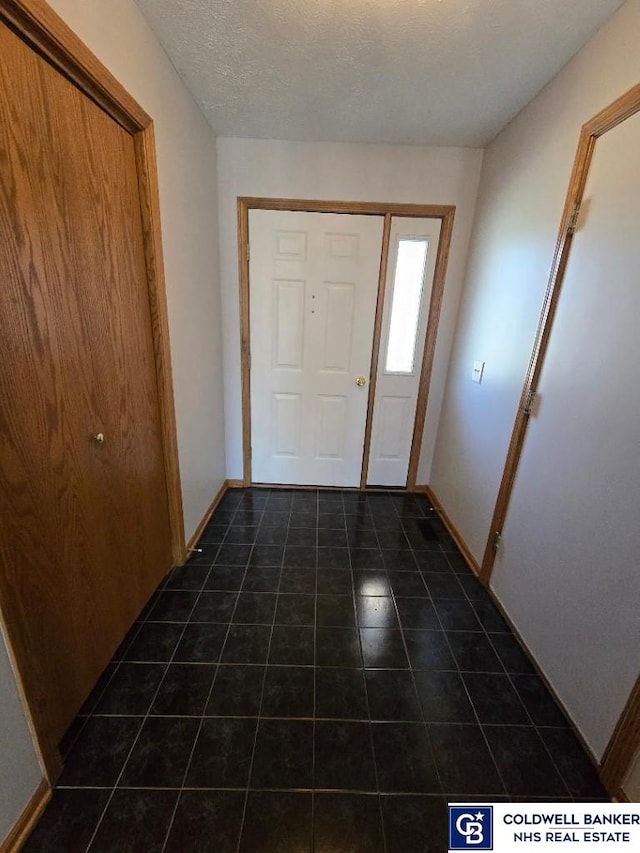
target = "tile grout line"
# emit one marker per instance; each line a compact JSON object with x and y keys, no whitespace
{"x":315,"y":645}
{"x":366,"y":696}
{"x":144,"y":720}
{"x":460,"y":675}
{"x":120,"y":661}
{"x":455,"y":660}
{"x":472,"y":705}
{"x":460,"y":672}
{"x":264,"y":681}
{"x":284,"y":789}
{"x":92,"y":713}
{"x":515,"y":689}
{"x":315,"y":674}
{"x":215,"y":678}
{"x":320,"y":719}
{"x":422,"y":571}
{"x":411,"y":670}
{"x":534,"y":725}
{"x":140,"y":623}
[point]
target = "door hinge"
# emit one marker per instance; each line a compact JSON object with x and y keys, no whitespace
{"x":248,"y":252}
{"x":573,"y":219}
{"x":497,"y":540}
{"x":529,"y":400}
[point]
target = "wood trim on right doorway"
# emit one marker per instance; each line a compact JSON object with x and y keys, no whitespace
{"x":625,"y":740}
{"x":608,"y":118}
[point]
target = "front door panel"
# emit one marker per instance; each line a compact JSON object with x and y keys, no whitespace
{"x":313,"y":291}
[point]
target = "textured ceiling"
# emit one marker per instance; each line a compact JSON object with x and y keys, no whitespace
{"x":430,"y":72}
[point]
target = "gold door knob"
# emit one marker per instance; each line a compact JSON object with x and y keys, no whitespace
{"x":99,"y":438}
{"x":360,"y":381}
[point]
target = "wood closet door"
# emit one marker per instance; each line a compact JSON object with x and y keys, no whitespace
{"x":84,"y":537}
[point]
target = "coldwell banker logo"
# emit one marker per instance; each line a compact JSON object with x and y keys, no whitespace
{"x":470,"y":827}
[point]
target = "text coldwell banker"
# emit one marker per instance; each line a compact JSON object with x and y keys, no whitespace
{"x":572,"y":820}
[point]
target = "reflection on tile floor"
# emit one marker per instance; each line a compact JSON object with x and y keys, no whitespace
{"x":323,"y":676}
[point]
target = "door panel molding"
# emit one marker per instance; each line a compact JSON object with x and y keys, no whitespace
{"x":625,"y":740}
{"x":48,"y":35}
{"x":446,"y":213}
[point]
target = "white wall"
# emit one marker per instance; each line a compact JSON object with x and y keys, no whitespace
{"x":116,"y":32}
{"x":524,"y":181}
{"x":348,"y":172}
{"x":568,"y":571}
{"x":120,"y":37}
{"x":564,"y":580}
{"x":20,"y":772}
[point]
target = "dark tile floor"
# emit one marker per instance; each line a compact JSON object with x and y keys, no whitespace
{"x":323,"y":676}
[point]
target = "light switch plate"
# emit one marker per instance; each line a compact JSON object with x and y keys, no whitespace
{"x":478,"y":370}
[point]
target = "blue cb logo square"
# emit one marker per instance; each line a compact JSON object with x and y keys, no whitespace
{"x":471,"y":827}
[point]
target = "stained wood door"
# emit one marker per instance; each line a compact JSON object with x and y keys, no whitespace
{"x":85,"y":529}
{"x":313,"y":291}
{"x":413,"y":248}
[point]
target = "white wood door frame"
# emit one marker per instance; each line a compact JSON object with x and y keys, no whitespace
{"x":445,"y":213}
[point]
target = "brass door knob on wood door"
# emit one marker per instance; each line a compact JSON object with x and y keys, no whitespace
{"x":360,"y":381}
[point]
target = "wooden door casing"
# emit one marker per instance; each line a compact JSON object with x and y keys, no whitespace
{"x":85,"y":529}
{"x":395,"y":398}
{"x":445,"y":213}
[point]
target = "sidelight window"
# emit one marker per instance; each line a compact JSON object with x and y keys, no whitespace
{"x":408,"y":286}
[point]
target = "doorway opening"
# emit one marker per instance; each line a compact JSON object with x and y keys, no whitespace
{"x":340,"y":304}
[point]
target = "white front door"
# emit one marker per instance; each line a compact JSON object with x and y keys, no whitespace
{"x":413,"y":248}
{"x":313,"y":290}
